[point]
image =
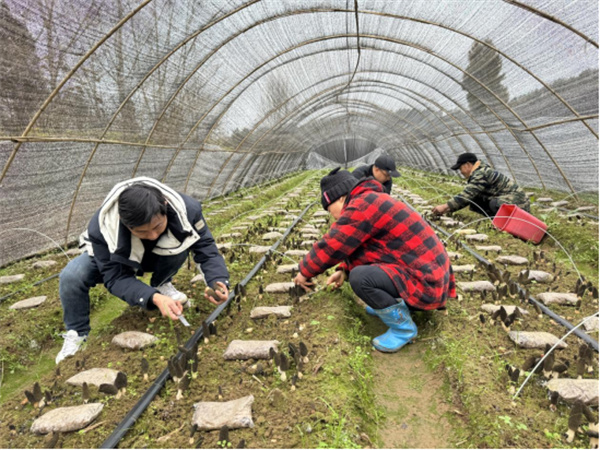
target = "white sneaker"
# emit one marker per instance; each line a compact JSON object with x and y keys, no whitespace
{"x":169,"y":290}
{"x":72,"y":344}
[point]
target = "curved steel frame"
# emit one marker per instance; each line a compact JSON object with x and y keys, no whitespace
{"x":311,"y":11}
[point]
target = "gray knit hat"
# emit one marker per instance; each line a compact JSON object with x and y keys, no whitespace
{"x":336,"y":184}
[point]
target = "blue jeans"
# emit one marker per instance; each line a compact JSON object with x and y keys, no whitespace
{"x":82,"y":274}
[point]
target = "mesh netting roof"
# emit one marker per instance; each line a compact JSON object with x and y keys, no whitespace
{"x":208,"y":96}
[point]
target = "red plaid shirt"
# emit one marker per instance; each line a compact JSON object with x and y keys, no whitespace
{"x":374,"y":228}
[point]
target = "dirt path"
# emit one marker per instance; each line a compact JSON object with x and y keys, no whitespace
{"x":412,"y":398}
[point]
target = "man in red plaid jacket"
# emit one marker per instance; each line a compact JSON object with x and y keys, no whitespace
{"x":392,"y":258}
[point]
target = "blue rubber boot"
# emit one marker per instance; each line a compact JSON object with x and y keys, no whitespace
{"x":402,"y":328}
{"x":370,"y":311}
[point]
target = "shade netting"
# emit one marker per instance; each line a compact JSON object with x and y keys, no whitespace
{"x":210,"y":96}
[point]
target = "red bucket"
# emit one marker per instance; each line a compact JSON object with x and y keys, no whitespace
{"x":519,"y":223}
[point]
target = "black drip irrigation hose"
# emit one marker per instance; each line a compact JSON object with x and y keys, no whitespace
{"x":37,"y":283}
{"x":565,"y":323}
{"x":129,"y":420}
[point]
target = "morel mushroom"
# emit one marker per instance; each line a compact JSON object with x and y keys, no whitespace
{"x":283,"y":366}
{"x":107,"y":388}
{"x":530,"y":363}
{"x":574,"y":420}
{"x":193,"y":355}
{"x":36,"y":398}
{"x":193,"y":430}
{"x":145,"y":368}
{"x":117,"y":388}
{"x":121,"y":384}
{"x":553,"y":400}
{"x":548,"y":362}
{"x":560,"y":368}
{"x":205,"y":332}
{"x":304,"y":352}
{"x":85,"y":392}
{"x":48,"y":397}
{"x":581,"y":364}
{"x":53,"y":440}
{"x":513,"y":375}
{"x":176,"y":368}
{"x":256,"y":369}
{"x":223,"y":436}
{"x":182,"y":386}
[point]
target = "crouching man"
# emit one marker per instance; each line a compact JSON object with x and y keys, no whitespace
{"x":393,"y":260}
{"x":486,"y":189}
{"x":142,"y":226}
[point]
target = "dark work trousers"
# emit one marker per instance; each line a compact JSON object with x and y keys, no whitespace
{"x":373,"y":286}
{"x":488,"y":206}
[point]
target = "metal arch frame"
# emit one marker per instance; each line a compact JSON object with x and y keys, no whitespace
{"x":297,"y":12}
{"x":489,"y":108}
{"x":444,"y":95}
{"x":369,"y":117}
{"x":416,"y":157}
{"x":354,"y":102}
{"x":296,"y":112}
{"x":547,"y":16}
{"x":539,"y":80}
{"x":426,"y":51}
{"x":327,"y":91}
{"x":490,"y":136}
{"x":67,"y":77}
{"x":485,"y":87}
{"x":359,"y":104}
{"x":338,"y":111}
{"x":318,"y":52}
{"x":394,"y":88}
{"x":408,"y":158}
{"x":119,"y":25}
{"x":408,"y":45}
{"x":92,"y":50}
{"x":386,"y":85}
{"x":400,"y":90}
{"x":133,"y":91}
{"x":202,"y":62}
{"x":468,"y":133}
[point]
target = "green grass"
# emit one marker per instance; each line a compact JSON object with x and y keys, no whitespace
{"x":352,"y":408}
{"x":473,"y":359}
{"x":44,"y":362}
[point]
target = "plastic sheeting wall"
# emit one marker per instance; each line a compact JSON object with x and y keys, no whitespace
{"x":209,"y":96}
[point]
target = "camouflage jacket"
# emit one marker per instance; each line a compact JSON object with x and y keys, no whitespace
{"x":489,"y":183}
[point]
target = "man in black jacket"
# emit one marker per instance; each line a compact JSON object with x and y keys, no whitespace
{"x":383,"y":170}
{"x":142,"y":226}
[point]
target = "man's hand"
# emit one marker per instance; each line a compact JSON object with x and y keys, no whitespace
{"x":440,"y":209}
{"x":337,"y":279}
{"x":221,"y":293}
{"x":304,"y":282}
{"x":167,"y":306}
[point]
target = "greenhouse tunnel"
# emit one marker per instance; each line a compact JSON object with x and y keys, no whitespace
{"x":212,"y":96}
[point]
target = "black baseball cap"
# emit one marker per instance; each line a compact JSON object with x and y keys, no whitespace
{"x":464,"y":158}
{"x":385,"y":162}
